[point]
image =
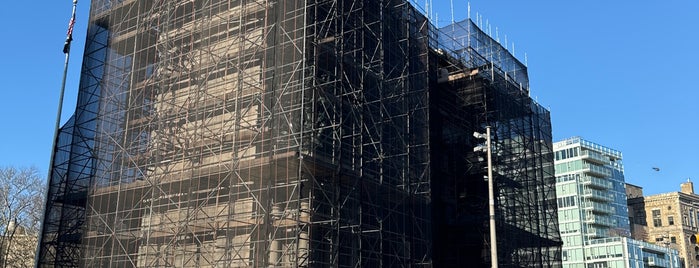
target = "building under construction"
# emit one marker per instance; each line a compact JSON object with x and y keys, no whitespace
{"x":296,"y":133}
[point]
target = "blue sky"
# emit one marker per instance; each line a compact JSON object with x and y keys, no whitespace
{"x":619,"y":73}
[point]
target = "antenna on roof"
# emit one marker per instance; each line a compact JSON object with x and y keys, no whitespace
{"x":497,"y":35}
{"x":427,"y":9}
{"x":451,"y":3}
{"x":487,"y":27}
{"x":468,"y":9}
{"x":526,"y":63}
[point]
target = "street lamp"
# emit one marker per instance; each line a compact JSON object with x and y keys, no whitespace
{"x":491,"y":198}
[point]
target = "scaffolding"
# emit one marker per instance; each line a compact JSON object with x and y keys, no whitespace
{"x":481,"y":84}
{"x":257,"y":133}
{"x":295,"y":133}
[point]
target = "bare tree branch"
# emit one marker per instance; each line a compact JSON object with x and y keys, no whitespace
{"x":20,"y":212}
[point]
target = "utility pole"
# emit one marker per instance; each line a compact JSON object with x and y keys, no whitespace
{"x":491,"y":195}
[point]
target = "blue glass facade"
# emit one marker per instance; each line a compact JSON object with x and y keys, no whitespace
{"x":592,"y":209}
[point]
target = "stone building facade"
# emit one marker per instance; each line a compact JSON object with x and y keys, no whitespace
{"x":668,"y":219}
{"x":17,"y":248}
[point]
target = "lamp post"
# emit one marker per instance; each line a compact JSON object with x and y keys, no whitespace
{"x":491,"y":195}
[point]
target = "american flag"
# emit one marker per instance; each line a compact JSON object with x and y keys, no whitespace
{"x":69,"y":35}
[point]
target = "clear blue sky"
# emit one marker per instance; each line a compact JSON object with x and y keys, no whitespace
{"x":619,"y":73}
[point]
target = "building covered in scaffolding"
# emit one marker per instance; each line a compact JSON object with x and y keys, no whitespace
{"x":295,"y":133}
{"x":479,"y":84}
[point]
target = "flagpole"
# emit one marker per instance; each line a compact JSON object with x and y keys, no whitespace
{"x":56,"y":130}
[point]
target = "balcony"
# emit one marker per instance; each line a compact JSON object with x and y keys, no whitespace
{"x":599,"y":220}
{"x":594,"y":182}
{"x":597,"y":207}
{"x":594,"y":232}
{"x":597,"y":170}
{"x":657,"y":262}
{"x":594,"y":157}
{"x":597,"y":195}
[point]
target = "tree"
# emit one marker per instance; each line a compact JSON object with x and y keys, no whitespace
{"x":21,"y":202}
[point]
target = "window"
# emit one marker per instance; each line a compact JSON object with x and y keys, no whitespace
{"x":673,"y":240}
{"x":567,"y":201}
{"x":657,"y":221}
{"x":670,"y":220}
{"x":640,"y":217}
{"x":691,"y":218}
{"x":598,"y":265}
{"x":566,"y":153}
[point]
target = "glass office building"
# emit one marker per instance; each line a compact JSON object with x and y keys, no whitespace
{"x":592,"y":210}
